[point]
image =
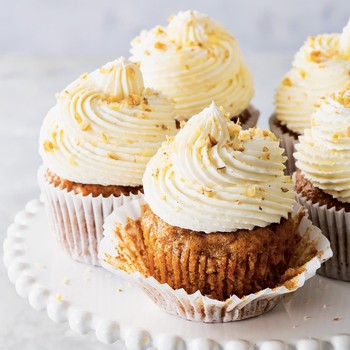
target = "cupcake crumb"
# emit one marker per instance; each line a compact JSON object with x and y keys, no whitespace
{"x":306,"y":318}
{"x":295,"y":326}
{"x":66,"y":281}
{"x":119,"y":290}
{"x":336,"y":319}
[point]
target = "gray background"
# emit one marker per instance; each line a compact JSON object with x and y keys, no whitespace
{"x":46,"y":44}
{"x":106,"y":26}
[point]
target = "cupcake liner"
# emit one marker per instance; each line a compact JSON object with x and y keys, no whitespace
{"x":287,"y":142}
{"x":197,"y":307}
{"x":253,"y":119}
{"x":335,"y":225}
{"x":77,"y":220}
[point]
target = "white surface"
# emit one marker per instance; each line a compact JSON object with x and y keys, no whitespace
{"x":27,"y":88}
{"x":90,"y":300}
{"x":87,"y":26}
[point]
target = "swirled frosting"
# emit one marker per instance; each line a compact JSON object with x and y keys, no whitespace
{"x":321,"y":66}
{"x":323,"y":154}
{"x":194,"y":60}
{"x":105,"y":127}
{"x":215,"y":177}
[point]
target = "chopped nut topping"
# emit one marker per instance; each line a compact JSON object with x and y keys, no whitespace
{"x":286,"y":81}
{"x":159,"y":30}
{"x":337,"y":136}
{"x":105,"y":137}
{"x":239,"y":147}
{"x":212,"y":140}
{"x":160,"y":46}
{"x":133,"y":100}
{"x":336,"y":319}
{"x":112,"y":156}
{"x":221,"y":168}
{"x":284,"y":190}
{"x":85,"y":126}
{"x":233,"y":129}
{"x":250,"y":191}
{"x":187,"y":67}
{"x":303,"y":74}
{"x":78,"y":118}
{"x":48,"y":146}
{"x":119,"y":290}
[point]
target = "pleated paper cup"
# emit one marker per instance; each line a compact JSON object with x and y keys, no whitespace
{"x":77,"y":220}
{"x":335,"y":225}
{"x":198,"y":307}
{"x":287,"y":141}
{"x":253,"y":119}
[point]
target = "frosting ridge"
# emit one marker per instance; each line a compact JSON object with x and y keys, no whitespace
{"x":323,"y":154}
{"x":213,"y":176}
{"x":320,"y":67}
{"x":194,"y":60}
{"x":105,"y":127}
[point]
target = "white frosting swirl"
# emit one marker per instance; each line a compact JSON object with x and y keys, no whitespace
{"x":105,"y":127}
{"x":194,"y":60}
{"x":323,"y":154}
{"x":318,"y":68}
{"x":215,"y":177}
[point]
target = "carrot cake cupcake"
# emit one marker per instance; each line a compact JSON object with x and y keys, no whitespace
{"x":95,"y":144}
{"x":195,"y":60}
{"x":321,"y":66}
{"x":217,"y":223}
{"x":323,"y":177}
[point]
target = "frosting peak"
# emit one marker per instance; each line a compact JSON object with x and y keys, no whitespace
{"x":323,"y":154}
{"x":214,"y":176}
{"x":194,"y":60}
{"x":119,"y":79}
{"x":188,"y":27}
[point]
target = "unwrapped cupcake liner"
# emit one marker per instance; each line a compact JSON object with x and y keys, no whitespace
{"x":77,"y":220}
{"x":335,"y":225}
{"x":287,"y":142}
{"x":198,"y":307}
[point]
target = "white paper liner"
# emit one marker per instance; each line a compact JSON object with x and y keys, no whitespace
{"x":77,"y":220}
{"x":288,"y":142}
{"x":196,"y":307}
{"x":335,"y":225}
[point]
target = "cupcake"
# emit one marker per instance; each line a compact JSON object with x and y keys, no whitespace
{"x":95,"y":144}
{"x":323,"y":177}
{"x":321,"y":66}
{"x":215,"y":238}
{"x":195,"y":60}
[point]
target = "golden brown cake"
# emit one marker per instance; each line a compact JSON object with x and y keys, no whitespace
{"x":219,"y":264}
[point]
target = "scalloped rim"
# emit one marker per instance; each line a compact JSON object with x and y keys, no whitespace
{"x":108,"y":332}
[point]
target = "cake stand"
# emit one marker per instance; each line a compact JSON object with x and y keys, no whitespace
{"x":316,"y":317}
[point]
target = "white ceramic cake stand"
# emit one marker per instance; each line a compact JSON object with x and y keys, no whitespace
{"x":317,"y":317}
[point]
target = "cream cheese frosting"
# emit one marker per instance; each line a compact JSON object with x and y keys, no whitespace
{"x":323,"y":154}
{"x":321,"y":66}
{"x":194,"y":60}
{"x":105,"y":127}
{"x":215,"y":177}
